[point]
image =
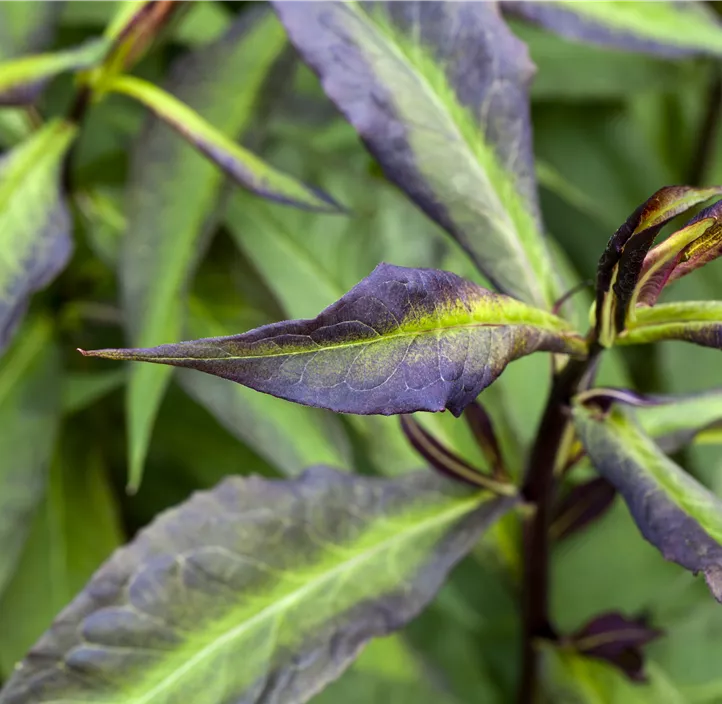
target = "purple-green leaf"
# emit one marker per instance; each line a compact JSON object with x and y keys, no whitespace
{"x":669,"y":29}
{"x":438,"y":93}
{"x":673,"y":511}
{"x":402,"y":340}
{"x":257,"y":591}
{"x":622,"y":260}
{"x":34,"y":220}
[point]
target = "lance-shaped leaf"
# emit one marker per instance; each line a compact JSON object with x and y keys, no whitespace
{"x":438,"y":93}
{"x":29,"y":416}
{"x":581,"y":505}
{"x":34,"y":220}
{"x":173,"y":201}
{"x":663,"y":28}
{"x":256,"y":591}
{"x":673,"y":511}
{"x":244,"y":167}
{"x":621,"y":262}
{"x":699,"y":322}
{"x":22,"y":80}
{"x":673,"y":421}
{"x":27,"y":27}
{"x":402,"y":340}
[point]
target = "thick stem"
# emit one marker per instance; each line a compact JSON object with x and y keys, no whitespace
{"x":538,"y":491}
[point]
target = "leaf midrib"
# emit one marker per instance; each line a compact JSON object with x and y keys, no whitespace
{"x":459,"y":509}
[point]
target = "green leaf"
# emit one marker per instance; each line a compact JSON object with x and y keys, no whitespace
{"x":289,"y":437}
{"x":673,"y":511}
{"x":663,"y":28}
{"x":74,"y":530}
{"x":173,"y":200}
{"x":402,"y":340}
{"x":29,"y":414}
{"x":27,"y":27}
{"x":699,"y":322}
{"x":34,"y":220}
{"x":421,"y":83}
{"x":244,"y":167}
{"x":83,"y":389}
{"x":22,"y":80}
{"x":256,"y":591}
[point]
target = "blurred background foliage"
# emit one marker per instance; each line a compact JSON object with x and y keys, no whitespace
{"x":166,"y":248}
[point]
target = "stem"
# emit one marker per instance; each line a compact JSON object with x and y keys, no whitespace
{"x":538,"y":491}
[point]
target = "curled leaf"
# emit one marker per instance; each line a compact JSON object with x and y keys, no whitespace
{"x":622,"y":260}
{"x":438,"y":91}
{"x":668,"y":29}
{"x":673,"y":511}
{"x":256,"y":591}
{"x":34,"y":220}
{"x":402,"y":340}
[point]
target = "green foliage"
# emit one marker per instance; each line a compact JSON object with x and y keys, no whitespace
{"x":164,"y":171}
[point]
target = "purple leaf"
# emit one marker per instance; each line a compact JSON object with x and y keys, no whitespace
{"x":438,"y":91}
{"x":582,"y":505}
{"x":402,"y":340}
{"x":618,"y":640}
{"x":673,"y":511}
{"x":482,"y":428}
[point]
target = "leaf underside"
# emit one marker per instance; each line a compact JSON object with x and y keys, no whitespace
{"x":402,"y":340}
{"x":438,"y":93}
{"x":256,"y":591}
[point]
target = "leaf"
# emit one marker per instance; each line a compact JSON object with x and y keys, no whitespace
{"x":172,"y":202}
{"x":618,"y":640}
{"x":29,"y":414}
{"x":74,"y":530}
{"x":34,"y":220}
{"x":289,"y":437}
{"x":699,"y":322}
{"x":438,"y":93}
{"x":27,"y":27}
{"x":82,"y":389}
{"x":621,"y":262}
{"x":675,"y":513}
{"x":23,"y":80}
{"x":402,"y":340}
{"x":581,"y":505}
{"x":244,"y":167}
{"x":664,"y":28}
{"x":296,"y":576}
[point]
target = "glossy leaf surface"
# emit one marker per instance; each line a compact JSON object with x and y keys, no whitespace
{"x":29,"y":415}
{"x":256,"y":591}
{"x":673,"y":511}
{"x":400,"y":341}
{"x":22,"y":80}
{"x":438,"y":93}
{"x":663,"y":28}
{"x":172,"y":202}
{"x":34,"y":220}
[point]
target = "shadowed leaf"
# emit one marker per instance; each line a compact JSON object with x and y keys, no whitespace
{"x":622,"y":260}
{"x":402,"y":340}
{"x":673,"y":511}
{"x":173,"y":203}
{"x":438,"y":93}
{"x":482,"y":428}
{"x":256,"y":591}
{"x":663,"y":28}
{"x":34,"y":220}
{"x":22,"y":80}
{"x":618,"y":640}
{"x":29,"y":415}
{"x":580,"y":506}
